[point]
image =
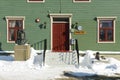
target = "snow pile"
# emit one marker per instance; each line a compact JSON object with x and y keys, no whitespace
{"x":32,"y":68}
{"x":87,"y":60}
{"x":109,"y":68}
{"x":35,"y":60}
{"x":7,"y":63}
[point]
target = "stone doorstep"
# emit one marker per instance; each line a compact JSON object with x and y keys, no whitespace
{"x":55,"y":59}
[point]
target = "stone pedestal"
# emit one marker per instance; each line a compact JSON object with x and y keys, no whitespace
{"x":22,"y":52}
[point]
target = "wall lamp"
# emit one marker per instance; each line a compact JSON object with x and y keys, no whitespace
{"x":76,"y":27}
{"x":37,"y":20}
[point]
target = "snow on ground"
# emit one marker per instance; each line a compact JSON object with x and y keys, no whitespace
{"x":107,"y":67}
{"x":32,"y":69}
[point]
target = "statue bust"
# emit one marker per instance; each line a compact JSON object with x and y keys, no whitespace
{"x":20,"y":37}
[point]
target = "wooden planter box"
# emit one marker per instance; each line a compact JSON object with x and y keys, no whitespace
{"x":22,"y":52}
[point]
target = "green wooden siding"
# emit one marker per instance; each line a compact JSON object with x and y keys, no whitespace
{"x":83,"y":13}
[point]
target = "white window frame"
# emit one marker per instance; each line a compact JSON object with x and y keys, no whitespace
{"x":35,"y":1}
{"x":81,"y":1}
{"x":106,"y":18}
{"x":13,"y":18}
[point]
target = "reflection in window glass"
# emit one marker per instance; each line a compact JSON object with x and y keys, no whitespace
{"x":11,"y":34}
{"x":106,"y":30}
{"x":105,"y":24}
{"x":15,"y":23}
{"x":110,"y":35}
{"x":102,"y":35}
{"x":13,"y":27}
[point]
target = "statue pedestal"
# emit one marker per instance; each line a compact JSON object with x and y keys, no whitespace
{"x":22,"y":52}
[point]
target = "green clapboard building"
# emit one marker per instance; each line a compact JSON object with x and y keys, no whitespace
{"x":94,"y":23}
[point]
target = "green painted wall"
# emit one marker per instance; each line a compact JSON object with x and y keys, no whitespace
{"x":83,"y":13}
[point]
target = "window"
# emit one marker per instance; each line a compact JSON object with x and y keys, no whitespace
{"x":81,"y":0}
{"x":35,"y":1}
{"x":14,"y":23}
{"x":106,"y":29}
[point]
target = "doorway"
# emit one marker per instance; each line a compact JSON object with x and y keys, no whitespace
{"x":60,"y":34}
{"x":60,"y":37}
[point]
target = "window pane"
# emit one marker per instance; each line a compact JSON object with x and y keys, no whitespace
{"x":13,"y":27}
{"x":12,"y":23}
{"x":15,"y":23}
{"x":102,"y":35}
{"x":11,"y":35}
{"x":106,"y":30}
{"x":110,"y":35}
{"x":19,"y":23}
{"x":61,"y":19}
{"x":106,"y":24}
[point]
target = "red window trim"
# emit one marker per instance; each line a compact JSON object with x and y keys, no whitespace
{"x":113,"y":28}
{"x":14,"y":28}
{"x":11,"y":18}
{"x":106,"y":30}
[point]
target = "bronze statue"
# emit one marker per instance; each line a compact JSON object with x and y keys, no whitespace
{"x":20,"y":37}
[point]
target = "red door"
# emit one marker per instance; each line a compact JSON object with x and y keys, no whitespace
{"x":60,"y":37}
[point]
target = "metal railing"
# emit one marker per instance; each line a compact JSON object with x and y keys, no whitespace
{"x":77,"y":50}
{"x":41,"y":45}
{"x":45,"y":48}
{"x":38,"y":45}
